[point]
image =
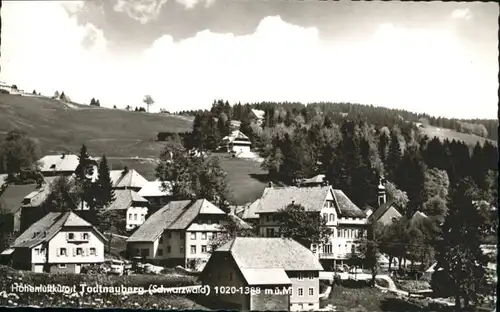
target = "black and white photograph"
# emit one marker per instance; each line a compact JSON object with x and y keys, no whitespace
{"x":249,"y":155}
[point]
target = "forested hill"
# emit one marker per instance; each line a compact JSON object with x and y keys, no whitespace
{"x":378,"y":116}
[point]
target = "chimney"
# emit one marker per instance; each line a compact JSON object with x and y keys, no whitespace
{"x":382,"y":196}
{"x":270,"y":184}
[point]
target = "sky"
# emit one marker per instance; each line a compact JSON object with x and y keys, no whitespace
{"x":435,"y":57}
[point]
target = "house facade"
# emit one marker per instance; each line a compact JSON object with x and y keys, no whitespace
{"x":59,"y":242}
{"x":283,"y":274}
{"x":178,"y":234}
{"x":132,"y":207}
{"x":348,"y":222}
{"x":236,"y":142}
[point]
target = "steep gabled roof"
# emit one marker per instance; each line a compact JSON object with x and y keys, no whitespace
{"x":236,"y":135}
{"x":129,"y":179}
{"x":346,"y":208}
{"x":125,"y":199}
{"x":153,"y":189}
{"x":176,"y":215}
{"x":46,"y":228}
{"x":39,"y":195}
{"x":12,"y":197}
{"x":258,"y":113}
{"x":250,"y":209}
{"x":271,"y":253}
{"x":66,"y":162}
{"x":378,"y":213}
{"x":275,"y":198}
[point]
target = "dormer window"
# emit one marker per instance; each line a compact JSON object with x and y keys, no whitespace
{"x":53,"y":166}
{"x":85,"y":236}
{"x":71,"y":235}
{"x":36,"y":234}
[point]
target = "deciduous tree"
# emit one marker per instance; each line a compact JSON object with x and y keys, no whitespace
{"x":307,"y":228}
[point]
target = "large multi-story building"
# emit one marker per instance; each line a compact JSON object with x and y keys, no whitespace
{"x":59,"y":242}
{"x":348,"y":222}
{"x":178,"y":234}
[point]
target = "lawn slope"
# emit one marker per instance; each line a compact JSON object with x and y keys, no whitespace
{"x":65,"y":127}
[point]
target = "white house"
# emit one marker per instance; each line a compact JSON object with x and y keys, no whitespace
{"x":178,"y":234}
{"x":61,"y":165}
{"x":348,"y":222}
{"x":266,"y":263}
{"x":236,"y":142}
{"x":134,"y":208}
{"x":258,"y":115}
{"x":59,"y":242}
{"x":127,"y":179}
{"x":156,"y":195}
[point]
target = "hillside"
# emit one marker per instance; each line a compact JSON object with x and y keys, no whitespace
{"x":129,"y":138}
{"x":443,"y":133}
{"x":65,"y":127}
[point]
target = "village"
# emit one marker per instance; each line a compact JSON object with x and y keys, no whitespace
{"x":196,"y":237}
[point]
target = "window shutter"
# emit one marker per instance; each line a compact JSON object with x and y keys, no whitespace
{"x":74,"y":252}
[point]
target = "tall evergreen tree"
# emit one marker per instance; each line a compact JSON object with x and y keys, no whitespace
{"x":84,"y":173}
{"x":393,"y":158}
{"x":383,"y":143}
{"x":458,"y":250}
{"x":410,"y":177}
{"x":104,"y":192}
{"x":435,"y":154}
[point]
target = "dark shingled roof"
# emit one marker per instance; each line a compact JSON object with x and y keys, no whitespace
{"x":312,"y":198}
{"x":12,"y":197}
{"x":46,"y":228}
{"x":377,"y":214}
{"x":176,"y":215}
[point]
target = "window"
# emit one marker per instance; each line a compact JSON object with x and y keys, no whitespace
{"x":325,"y":217}
{"x":311,"y":276}
{"x":339,"y":233}
{"x":300,"y":291}
{"x":169,"y":249}
{"x":92,"y":251}
{"x":268,"y":218}
{"x":79,"y":251}
{"x":160,"y":252}
{"x":71,"y":235}
{"x":62,"y":252}
{"x":37,"y":252}
{"x":300,"y":277}
{"x":311,"y":291}
{"x":269,"y":232}
{"x":193,"y":235}
{"x":130,"y":216}
{"x":85,"y":236}
{"x":209,"y":221}
{"x":203,"y":235}
{"x":193,"y":249}
{"x":135,"y":216}
{"x":332,"y":218}
{"x":182,"y":249}
{"x":169,"y":234}
{"x":62,"y":265}
{"x":203,"y":248}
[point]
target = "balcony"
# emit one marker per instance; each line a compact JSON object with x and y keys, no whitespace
{"x":341,"y":256}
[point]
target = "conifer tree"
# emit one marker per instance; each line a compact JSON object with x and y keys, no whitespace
{"x":410,"y":177}
{"x":84,"y":173}
{"x":92,"y":102}
{"x":393,"y":158}
{"x":105,"y":194}
{"x":458,"y":250}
